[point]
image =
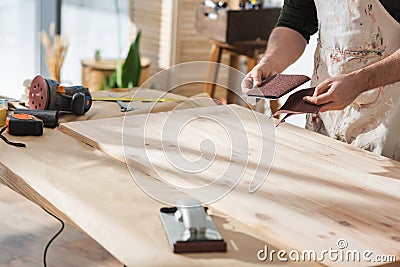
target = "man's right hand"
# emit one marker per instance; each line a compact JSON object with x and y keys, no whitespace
{"x":285,"y":46}
{"x":256,"y":75}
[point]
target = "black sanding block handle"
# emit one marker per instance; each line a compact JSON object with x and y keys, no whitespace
{"x":49,"y":117}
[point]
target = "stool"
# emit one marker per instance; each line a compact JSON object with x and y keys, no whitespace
{"x":250,"y":49}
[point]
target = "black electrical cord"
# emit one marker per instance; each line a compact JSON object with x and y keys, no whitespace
{"x":54,"y":237}
{"x":9,"y":142}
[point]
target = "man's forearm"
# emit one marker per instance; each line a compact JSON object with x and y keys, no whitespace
{"x":381,"y":73}
{"x":285,"y":46}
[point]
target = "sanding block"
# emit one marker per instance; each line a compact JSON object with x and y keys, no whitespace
{"x":189,"y":228}
{"x":296,"y":105}
{"x":277,"y":86}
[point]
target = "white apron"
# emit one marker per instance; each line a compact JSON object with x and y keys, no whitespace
{"x":354,"y":34}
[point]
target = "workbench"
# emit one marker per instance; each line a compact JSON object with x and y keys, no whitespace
{"x":318,"y":191}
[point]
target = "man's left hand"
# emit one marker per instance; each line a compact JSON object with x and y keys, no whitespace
{"x":335,"y":93}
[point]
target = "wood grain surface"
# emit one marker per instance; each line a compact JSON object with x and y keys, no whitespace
{"x":318,"y":190}
{"x":96,"y":193}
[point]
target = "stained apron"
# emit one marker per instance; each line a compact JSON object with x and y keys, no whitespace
{"x":354,"y":34}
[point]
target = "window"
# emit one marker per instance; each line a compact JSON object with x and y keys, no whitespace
{"x":93,"y":25}
{"x":19,"y":44}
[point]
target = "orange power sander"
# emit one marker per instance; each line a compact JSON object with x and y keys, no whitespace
{"x":46,"y":94}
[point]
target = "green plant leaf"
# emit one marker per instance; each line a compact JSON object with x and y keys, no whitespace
{"x":111,"y":81}
{"x":119,"y":74}
{"x":131,"y":69}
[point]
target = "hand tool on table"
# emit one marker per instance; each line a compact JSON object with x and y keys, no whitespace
{"x":49,"y":117}
{"x":28,"y":122}
{"x":21,"y":125}
{"x":46,"y":94}
{"x":125,"y":107}
{"x":129,"y":99}
{"x":189,"y":228}
{"x":24,"y":124}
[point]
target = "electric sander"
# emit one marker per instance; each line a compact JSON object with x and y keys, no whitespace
{"x":46,"y":94}
{"x":189,"y":228}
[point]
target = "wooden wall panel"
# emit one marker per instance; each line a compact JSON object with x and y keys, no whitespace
{"x":147,"y":17}
{"x":190,"y":46}
{"x":169,"y":36}
{"x":185,"y":44}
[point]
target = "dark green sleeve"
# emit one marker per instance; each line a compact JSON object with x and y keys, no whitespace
{"x":301,"y":16}
{"x":393,"y":7}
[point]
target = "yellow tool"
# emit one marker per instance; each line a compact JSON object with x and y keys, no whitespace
{"x":129,"y":99}
{"x":3,"y":115}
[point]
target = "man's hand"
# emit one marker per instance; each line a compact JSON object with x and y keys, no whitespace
{"x":256,"y":75}
{"x":336,"y":93}
{"x":284,"y":47}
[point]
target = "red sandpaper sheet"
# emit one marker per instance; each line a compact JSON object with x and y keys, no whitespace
{"x":278,"y":85}
{"x":296,"y":105}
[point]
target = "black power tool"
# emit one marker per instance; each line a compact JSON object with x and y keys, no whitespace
{"x":49,"y":117}
{"x":46,"y":94}
{"x":21,"y":125}
{"x":24,"y":124}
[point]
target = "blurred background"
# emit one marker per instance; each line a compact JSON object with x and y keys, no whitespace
{"x":90,"y":25}
{"x":108,"y":27}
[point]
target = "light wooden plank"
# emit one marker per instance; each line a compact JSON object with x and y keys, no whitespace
{"x":318,"y":191}
{"x":97,"y":193}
